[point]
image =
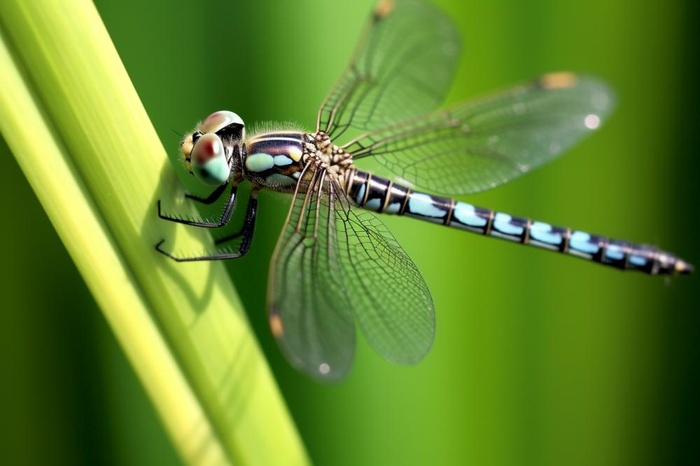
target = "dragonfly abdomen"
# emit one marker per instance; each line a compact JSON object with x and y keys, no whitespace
{"x":384,"y":196}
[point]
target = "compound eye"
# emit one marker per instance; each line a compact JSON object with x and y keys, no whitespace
{"x":220,"y":120}
{"x":208,"y":163}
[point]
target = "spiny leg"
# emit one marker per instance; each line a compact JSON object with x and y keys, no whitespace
{"x":225,"y":216}
{"x":210,"y":199}
{"x":246,"y":232}
{"x":248,"y":227}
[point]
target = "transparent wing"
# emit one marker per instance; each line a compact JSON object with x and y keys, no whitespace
{"x":401,"y":68}
{"x":332,"y":266}
{"x":390,"y":300}
{"x":309,"y":308}
{"x":481,"y":144}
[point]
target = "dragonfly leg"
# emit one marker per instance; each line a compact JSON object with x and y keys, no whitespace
{"x":248,"y":228}
{"x":224,"y":218}
{"x":210,"y":199}
{"x":245,"y":234}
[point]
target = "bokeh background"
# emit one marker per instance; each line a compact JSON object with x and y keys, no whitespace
{"x":539,"y":359}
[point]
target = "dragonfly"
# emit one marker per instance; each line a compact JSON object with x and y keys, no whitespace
{"x":336,"y":267}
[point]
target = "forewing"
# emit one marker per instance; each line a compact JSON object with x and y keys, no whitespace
{"x":483,"y":143}
{"x":402,"y":67}
{"x":309,"y":309}
{"x":332,"y":265}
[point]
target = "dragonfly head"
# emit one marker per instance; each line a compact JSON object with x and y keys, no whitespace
{"x":208,"y":151}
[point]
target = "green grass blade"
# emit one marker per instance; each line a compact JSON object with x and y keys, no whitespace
{"x":80,"y":134}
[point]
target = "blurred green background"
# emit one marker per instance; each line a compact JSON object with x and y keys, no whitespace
{"x":539,"y":359}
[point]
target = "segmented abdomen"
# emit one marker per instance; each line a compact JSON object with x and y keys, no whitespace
{"x":383,"y":196}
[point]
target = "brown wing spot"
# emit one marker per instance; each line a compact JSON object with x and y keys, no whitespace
{"x":276,"y":325}
{"x":560,"y":80}
{"x":383,"y":8}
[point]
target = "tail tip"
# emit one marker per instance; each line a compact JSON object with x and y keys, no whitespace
{"x":683,"y":268}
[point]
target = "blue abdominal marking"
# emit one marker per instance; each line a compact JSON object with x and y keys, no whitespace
{"x":614,"y":252}
{"x":503,"y":228}
{"x":542,"y":232}
{"x":393,"y":208}
{"x":639,"y":261}
{"x":579,"y":242}
{"x":466,"y":214}
{"x":374,"y":204}
{"x":361,"y":195}
{"x":422,"y":204}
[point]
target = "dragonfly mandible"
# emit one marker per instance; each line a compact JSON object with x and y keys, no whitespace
{"x":336,"y":267}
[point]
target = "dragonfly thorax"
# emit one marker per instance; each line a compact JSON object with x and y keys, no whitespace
{"x":329,"y":156}
{"x":277,"y":160}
